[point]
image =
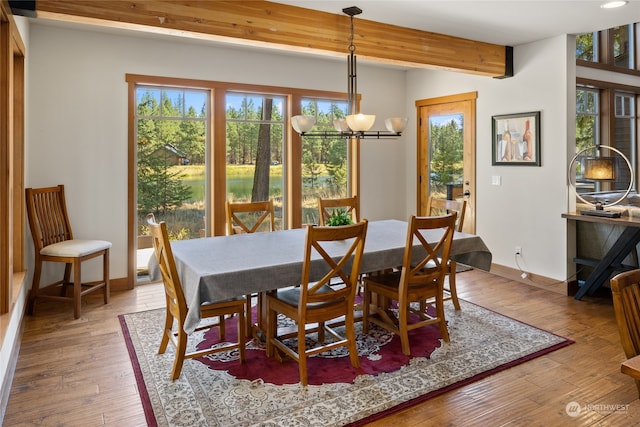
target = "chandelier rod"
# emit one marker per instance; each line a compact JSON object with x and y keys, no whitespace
{"x":352,"y":86}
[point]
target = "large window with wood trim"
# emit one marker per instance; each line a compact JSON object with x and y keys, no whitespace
{"x":196,"y":144}
{"x":606,"y":110}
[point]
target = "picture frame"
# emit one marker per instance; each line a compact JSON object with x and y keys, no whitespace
{"x":515,"y":139}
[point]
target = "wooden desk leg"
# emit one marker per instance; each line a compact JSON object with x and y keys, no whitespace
{"x":618,"y":252}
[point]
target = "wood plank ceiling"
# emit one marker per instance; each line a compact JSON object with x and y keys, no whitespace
{"x":284,"y":27}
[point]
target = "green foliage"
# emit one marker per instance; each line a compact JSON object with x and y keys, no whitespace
{"x":339,"y":217}
{"x":446,"y":143}
{"x":160,"y":187}
{"x":584,"y":47}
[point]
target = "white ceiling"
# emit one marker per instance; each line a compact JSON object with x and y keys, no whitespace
{"x":507,"y":22}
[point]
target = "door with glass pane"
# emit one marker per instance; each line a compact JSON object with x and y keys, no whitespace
{"x":446,"y":152}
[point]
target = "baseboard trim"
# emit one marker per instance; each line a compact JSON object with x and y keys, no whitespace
{"x":532,"y":279}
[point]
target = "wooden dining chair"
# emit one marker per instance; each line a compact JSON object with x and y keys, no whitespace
{"x":421,"y":278}
{"x":437,"y":207}
{"x":53,"y":241}
{"x":249,"y":217}
{"x":326,"y":207}
{"x":625,"y":289}
{"x":176,"y":307}
{"x":315,"y":303}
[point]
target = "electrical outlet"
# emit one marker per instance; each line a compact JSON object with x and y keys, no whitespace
{"x":518,"y":250}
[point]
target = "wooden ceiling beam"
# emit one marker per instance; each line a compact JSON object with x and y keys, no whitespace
{"x":284,"y":27}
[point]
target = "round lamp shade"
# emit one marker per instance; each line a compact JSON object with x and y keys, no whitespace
{"x":396,"y":124}
{"x":341,"y":125}
{"x":302,"y":124}
{"x":360,"y":122}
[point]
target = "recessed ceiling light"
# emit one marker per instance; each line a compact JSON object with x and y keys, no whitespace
{"x":613,"y":4}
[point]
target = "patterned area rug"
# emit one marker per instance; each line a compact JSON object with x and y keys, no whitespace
{"x":219,"y":391}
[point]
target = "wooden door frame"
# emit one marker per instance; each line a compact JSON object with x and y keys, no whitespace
{"x":469,"y":155}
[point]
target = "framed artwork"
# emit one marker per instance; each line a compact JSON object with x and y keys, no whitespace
{"x":516,"y":139}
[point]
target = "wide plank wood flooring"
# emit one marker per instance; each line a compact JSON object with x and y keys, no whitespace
{"x":77,"y":372}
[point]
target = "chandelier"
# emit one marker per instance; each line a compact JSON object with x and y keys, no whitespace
{"x":355,"y":125}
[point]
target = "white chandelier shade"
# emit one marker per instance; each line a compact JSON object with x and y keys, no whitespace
{"x":355,"y":124}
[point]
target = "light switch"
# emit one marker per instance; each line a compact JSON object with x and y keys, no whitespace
{"x":496,"y":180}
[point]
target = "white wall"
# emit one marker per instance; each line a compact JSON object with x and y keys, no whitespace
{"x":78,"y":116}
{"x":526,"y":209}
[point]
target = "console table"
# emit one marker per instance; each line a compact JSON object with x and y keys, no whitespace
{"x":612,"y":260}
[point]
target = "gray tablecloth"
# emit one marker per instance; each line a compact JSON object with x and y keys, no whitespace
{"x":223,"y":267}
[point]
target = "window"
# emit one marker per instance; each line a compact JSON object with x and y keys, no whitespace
{"x":625,"y":134}
{"x":587,"y":47}
{"x":171,"y":139}
{"x":324,"y":160}
{"x":586,"y":118}
{"x":255,"y":146}
{"x":199,"y":143}
{"x":613,"y":49}
{"x":623,"y":46}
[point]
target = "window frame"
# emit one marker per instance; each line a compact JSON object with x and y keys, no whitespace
{"x":216,"y":156}
{"x":605,"y":58}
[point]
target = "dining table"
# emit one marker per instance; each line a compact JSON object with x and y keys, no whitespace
{"x":217,"y":268}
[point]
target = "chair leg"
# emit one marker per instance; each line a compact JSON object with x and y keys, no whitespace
{"x":302,"y":355}
{"x":105,"y":276}
{"x":66,"y":279}
{"x":181,"y":349}
{"x":166,"y":332}
{"x":403,"y":319}
{"x":222,"y":326}
{"x":452,"y":285}
{"x":444,"y":332}
{"x":272,"y":329}
{"x":77,"y":289}
{"x":35,"y":286}
{"x":248,"y":316}
{"x":351,"y":337}
{"x":366,"y":309}
{"x":321,"y":334}
{"x":242,"y":337}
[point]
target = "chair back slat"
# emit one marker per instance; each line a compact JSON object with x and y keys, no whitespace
{"x":438,"y":207}
{"x":176,"y":302}
{"x":350,"y":240}
{"x":47,"y":215}
{"x":250,"y":217}
{"x":326,"y":207}
{"x":429,"y":268}
{"x":631,"y":304}
{"x":625,"y":290}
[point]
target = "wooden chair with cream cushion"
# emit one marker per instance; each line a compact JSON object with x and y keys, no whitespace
{"x":437,"y":207}
{"x":176,"y":307}
{"x":53,"y":241}
{"x":314,"y":303}
{"x":247,"y":218}
{"x":625,"y":288}
{"x":326,"y":207}
{"x":421,"y":278}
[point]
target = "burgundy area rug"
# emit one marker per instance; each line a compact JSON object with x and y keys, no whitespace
{"x":218,"y":390}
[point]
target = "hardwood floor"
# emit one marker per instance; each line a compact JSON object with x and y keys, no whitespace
{"x":77,"y":372}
